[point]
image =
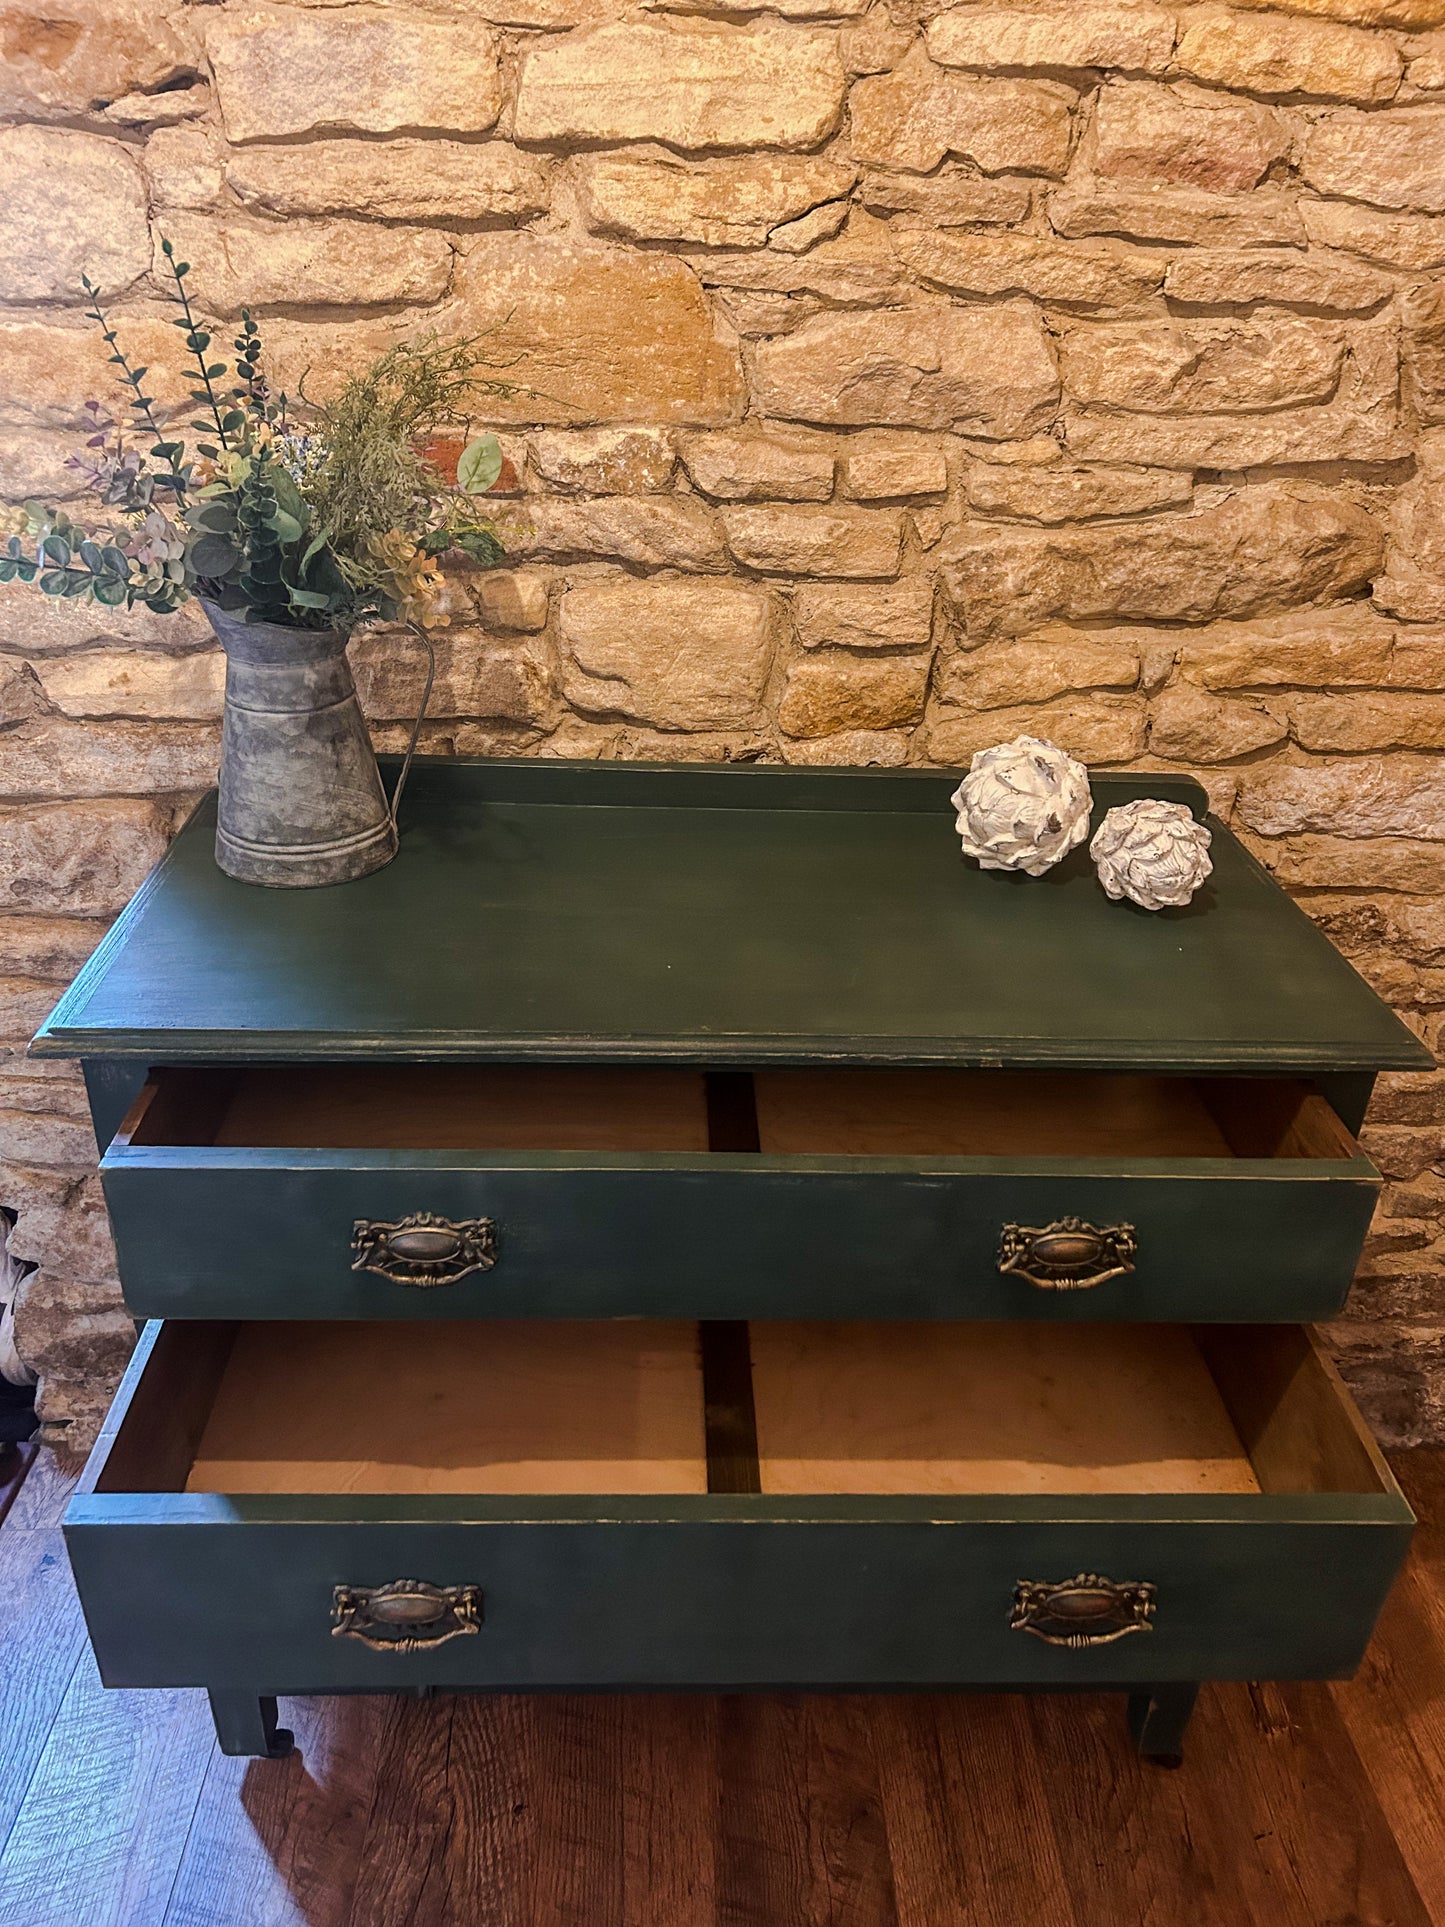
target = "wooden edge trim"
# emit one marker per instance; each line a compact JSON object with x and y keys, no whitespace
{"x":136,"y":1116}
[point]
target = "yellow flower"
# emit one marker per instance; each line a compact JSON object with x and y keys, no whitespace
{"x":415,"y":579}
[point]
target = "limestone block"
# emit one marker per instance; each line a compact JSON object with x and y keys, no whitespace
{"x":52,"y":948}
{"x":740,"y":9}
{"x":1418,"y":659}
{"x":987,"y":370}
{"x":51,"y":366}
{"x":819,"y":224}
{"x":45,"y":1139}
{"x":783,"y":540}
{"x":1422,"y":343}
{"x":1342,"y":648}
{"x":598,"y":333}
{"x":106,"y":682}
{"x":166,"y":109}
{"x":1414,"y":583}
{"x":55,"y":757}
{"x":68,"y":1326}
{"x":764,"y":85}
{"x":606,"y":461}
{"x":1138,"y":211}
{"x":25,"y":1003}
{"x":752,"y":468}
{"x":514,"y":599}
{"x":70,"y":57}
{"x":241,"y":263}
{"x":1188,"y":725}
{"x":83,"y":859}
{"x":281,"y":71}
{"x":857,"y":269}
{"x":1396,"y":240}
{"x":186,"y":168}
{"x":1052,"y":662}
{"x":920,"y":113}
{"x":86,"y":197}
{"x":1137,"y":37}
{"x":1066,"y":493}
{"x":476,"y":676}
{"x":680,"y":654}
{"x":832,"y":690}
{"x":659,"y":531}
{"x":35,"y":465}
{"x":1238,"y":277}
{"x":1374,"y":863}
{"x":848,"y":749}
{"x":1411,"y":14}
{"x":34,"y":625}
{"x":888,"y":474}
{"x":1095,"y":729}
{"x":396,"y":180}
{"x":875,"y":615}
{"x":1269,"y":54}
{"x":1354,"y":796}
{"x":1079,"y":274}
{"x":1188,"y":366}
{"x":20,"y":694}
{"x":1184,"y":136}
{"x":954,"y":195}
{"x":1411,"y":1097}
{"x":876,"y":42}
{"x":1395,"y":158}
{"x":1264,"y":550}
{"x":728,"y":201}
{"x":1367,"y":720}
{"x":1361,"y":421}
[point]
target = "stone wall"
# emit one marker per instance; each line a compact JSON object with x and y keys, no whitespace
{"x":903,"y":375}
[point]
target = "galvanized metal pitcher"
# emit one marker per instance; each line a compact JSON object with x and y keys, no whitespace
{"x":301,"y":797}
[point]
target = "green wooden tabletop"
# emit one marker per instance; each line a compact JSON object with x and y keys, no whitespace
{"x":739,"y":914}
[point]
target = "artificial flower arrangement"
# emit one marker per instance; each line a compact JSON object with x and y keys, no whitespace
{"x":309,"y":516}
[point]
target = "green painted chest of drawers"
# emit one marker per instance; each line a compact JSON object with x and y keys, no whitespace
{"x":685,"y":1227}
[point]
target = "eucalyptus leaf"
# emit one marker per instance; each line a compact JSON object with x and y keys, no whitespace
{"x":52,"y":584}
{"x":213,"y":555}
{"x":480,"y":465}
{"x":109,"y":591}
{"x":285,"y":525}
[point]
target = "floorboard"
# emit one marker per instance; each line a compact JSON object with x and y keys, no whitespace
{"x":1297,"y":1805}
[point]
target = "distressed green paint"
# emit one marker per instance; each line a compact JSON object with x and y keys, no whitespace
{"x":211,"y":1233}
{"x":744,"y":915}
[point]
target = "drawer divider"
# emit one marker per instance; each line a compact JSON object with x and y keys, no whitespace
{"x":729,"y":1419}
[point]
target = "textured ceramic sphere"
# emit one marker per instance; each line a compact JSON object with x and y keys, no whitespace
{"x":1152,"y":852}
{"x":1022,"y":806}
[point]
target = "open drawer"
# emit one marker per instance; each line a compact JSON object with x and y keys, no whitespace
{"x":294,"y":1507}
{"x":413,"y":1191}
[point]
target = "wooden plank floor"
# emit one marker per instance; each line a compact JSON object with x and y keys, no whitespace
{"x":1297,"y":1806}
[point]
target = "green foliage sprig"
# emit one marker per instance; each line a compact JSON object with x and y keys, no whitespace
{"x":322,"y":516}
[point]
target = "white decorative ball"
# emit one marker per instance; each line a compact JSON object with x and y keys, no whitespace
{"x":1152,"y":852}
{"x":1022,"y":806}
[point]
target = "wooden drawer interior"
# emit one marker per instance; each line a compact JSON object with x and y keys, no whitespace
{"x":807,"y":1409}
{"x":859,"y":1113}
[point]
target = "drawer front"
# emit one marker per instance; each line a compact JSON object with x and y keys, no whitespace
{"x":727,"y":1592}
{"x":205,"y":1233}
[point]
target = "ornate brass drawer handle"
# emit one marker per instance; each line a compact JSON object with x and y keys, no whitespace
{"x":424,"y":1249}
{"x":406,"y":1616}
{"x":1087,"y":1610}
{"x":1070,"y":1255}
